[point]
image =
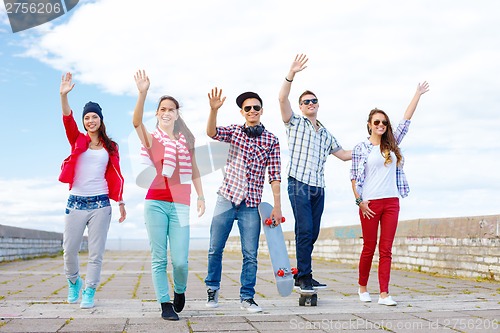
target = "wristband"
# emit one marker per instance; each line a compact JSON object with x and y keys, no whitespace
{"x":121,"y":203}
{"x":359,"y":201}
{"x":287,"y":79}
{"x":201,"y":198}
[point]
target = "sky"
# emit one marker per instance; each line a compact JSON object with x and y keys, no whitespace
{"x":362,"y":54}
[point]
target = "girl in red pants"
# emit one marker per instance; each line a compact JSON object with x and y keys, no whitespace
{"x":378,"y":181}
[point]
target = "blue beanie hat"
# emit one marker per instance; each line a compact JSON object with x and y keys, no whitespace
{"x":92,"y":107}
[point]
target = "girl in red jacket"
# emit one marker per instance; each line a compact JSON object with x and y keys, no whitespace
{"x":93,"y":174}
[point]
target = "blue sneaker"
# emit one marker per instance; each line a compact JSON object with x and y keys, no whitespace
{"x":74,"y":290}
{"x":87,"y":298}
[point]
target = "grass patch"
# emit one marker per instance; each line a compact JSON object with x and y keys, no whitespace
{"x":136,"y":287}
{"x":111,"y":277}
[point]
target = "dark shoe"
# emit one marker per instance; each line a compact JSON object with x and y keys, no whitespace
{"x":315,"y":284}
{"x":179,"y":301}
{"x":167,"y":312}
{"x":318,"y":285}
{"x":306,"y":284}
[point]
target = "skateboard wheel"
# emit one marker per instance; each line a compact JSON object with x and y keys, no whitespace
{"x":283,"y":219}
{"x":269,"y":221}
{"x":302,"y":300}
{"x":314,"y":300}
{"x":280,"y":272}
{"x":294,"y":270}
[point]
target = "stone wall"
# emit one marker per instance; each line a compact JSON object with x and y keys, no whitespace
{"x":19,"y":243}
{"x":462,"y":246}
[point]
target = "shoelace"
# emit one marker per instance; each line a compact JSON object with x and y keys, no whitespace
{"x":211,"y":295}
{"x":251,"y":301}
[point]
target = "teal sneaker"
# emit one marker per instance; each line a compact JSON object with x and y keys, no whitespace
{"x":87,"y":298}
{"x":74,"y":290}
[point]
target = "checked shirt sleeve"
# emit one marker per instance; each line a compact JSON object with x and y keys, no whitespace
{"x":357,"y":155}
{"x":224,"y":133}
{"x":274,"y":163}
{"x":401,"y":130}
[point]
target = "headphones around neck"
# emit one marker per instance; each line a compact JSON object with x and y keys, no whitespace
{"x":253,"y":131}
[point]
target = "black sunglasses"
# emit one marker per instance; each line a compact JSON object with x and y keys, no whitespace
{"x":377,"y":122}
{"x":249,"y":107}
{"x":307,"y":101}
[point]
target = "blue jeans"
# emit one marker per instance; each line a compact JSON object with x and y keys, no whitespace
{"x":307,"y":203}
{"x":249,"y":224}
{"x":166,"y":225}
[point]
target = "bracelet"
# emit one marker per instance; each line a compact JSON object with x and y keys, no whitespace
{"x":121,"y":203}
{"x":287,"y":79}
{"x":201,"y":198}
{"x":359,"y":201}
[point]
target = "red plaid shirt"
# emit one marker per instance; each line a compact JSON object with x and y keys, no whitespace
{"x":246,"y":164}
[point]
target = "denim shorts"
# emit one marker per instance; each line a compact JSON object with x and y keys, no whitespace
{"x":87,"y":203}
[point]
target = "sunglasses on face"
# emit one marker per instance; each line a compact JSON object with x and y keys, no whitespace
{"x":249,"y":107}
{"x":307,"y":101}
{"x":377,"y":122}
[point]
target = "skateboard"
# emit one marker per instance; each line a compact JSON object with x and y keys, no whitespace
{"x":308,"y":298}
{"x":278,"y":252}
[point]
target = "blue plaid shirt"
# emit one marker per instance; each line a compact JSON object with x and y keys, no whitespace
{"x":360,"y":155}
{"x":309,"y":150}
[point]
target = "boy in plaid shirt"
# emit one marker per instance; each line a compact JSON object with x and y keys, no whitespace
{"x":252,"y":150}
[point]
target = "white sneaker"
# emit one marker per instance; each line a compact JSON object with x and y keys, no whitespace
{"x":364,"y":297}
{"x":387,"y":301}
{"x":212,"y":298}
{"x":250,"y":305}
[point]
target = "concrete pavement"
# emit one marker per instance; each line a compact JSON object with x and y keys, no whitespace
{"x":33,"y":293}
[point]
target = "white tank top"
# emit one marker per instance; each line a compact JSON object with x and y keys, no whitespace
{"x":89,"y":173}
{"x":380,"y":180}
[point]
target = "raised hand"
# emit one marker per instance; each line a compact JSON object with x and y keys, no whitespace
{"x":423,"y":88}
{"x":215,"y":99}
{"x":299,"y":63}
{"x":66,"y":84}
{"x":142,"y":81}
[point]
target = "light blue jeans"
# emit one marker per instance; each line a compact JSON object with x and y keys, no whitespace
{"x":163,"y":223}
{"x":249,"y":224}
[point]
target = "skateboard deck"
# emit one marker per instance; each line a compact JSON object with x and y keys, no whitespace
{"x":278,"y":252}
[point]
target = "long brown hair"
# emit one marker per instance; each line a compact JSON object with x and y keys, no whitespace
{"x":387,"y":142}
{"x":110,"y":145}
{"x":179,"y":125}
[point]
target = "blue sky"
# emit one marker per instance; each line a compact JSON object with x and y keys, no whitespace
{"x":362,"y":55}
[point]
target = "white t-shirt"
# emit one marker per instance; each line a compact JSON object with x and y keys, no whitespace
{"x":89,"y":173}
{"x":380,"y":181}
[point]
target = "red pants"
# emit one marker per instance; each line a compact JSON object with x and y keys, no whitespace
{"x":386,"y":214}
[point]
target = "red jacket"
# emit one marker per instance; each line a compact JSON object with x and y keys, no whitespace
{"x":79,"y":143}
